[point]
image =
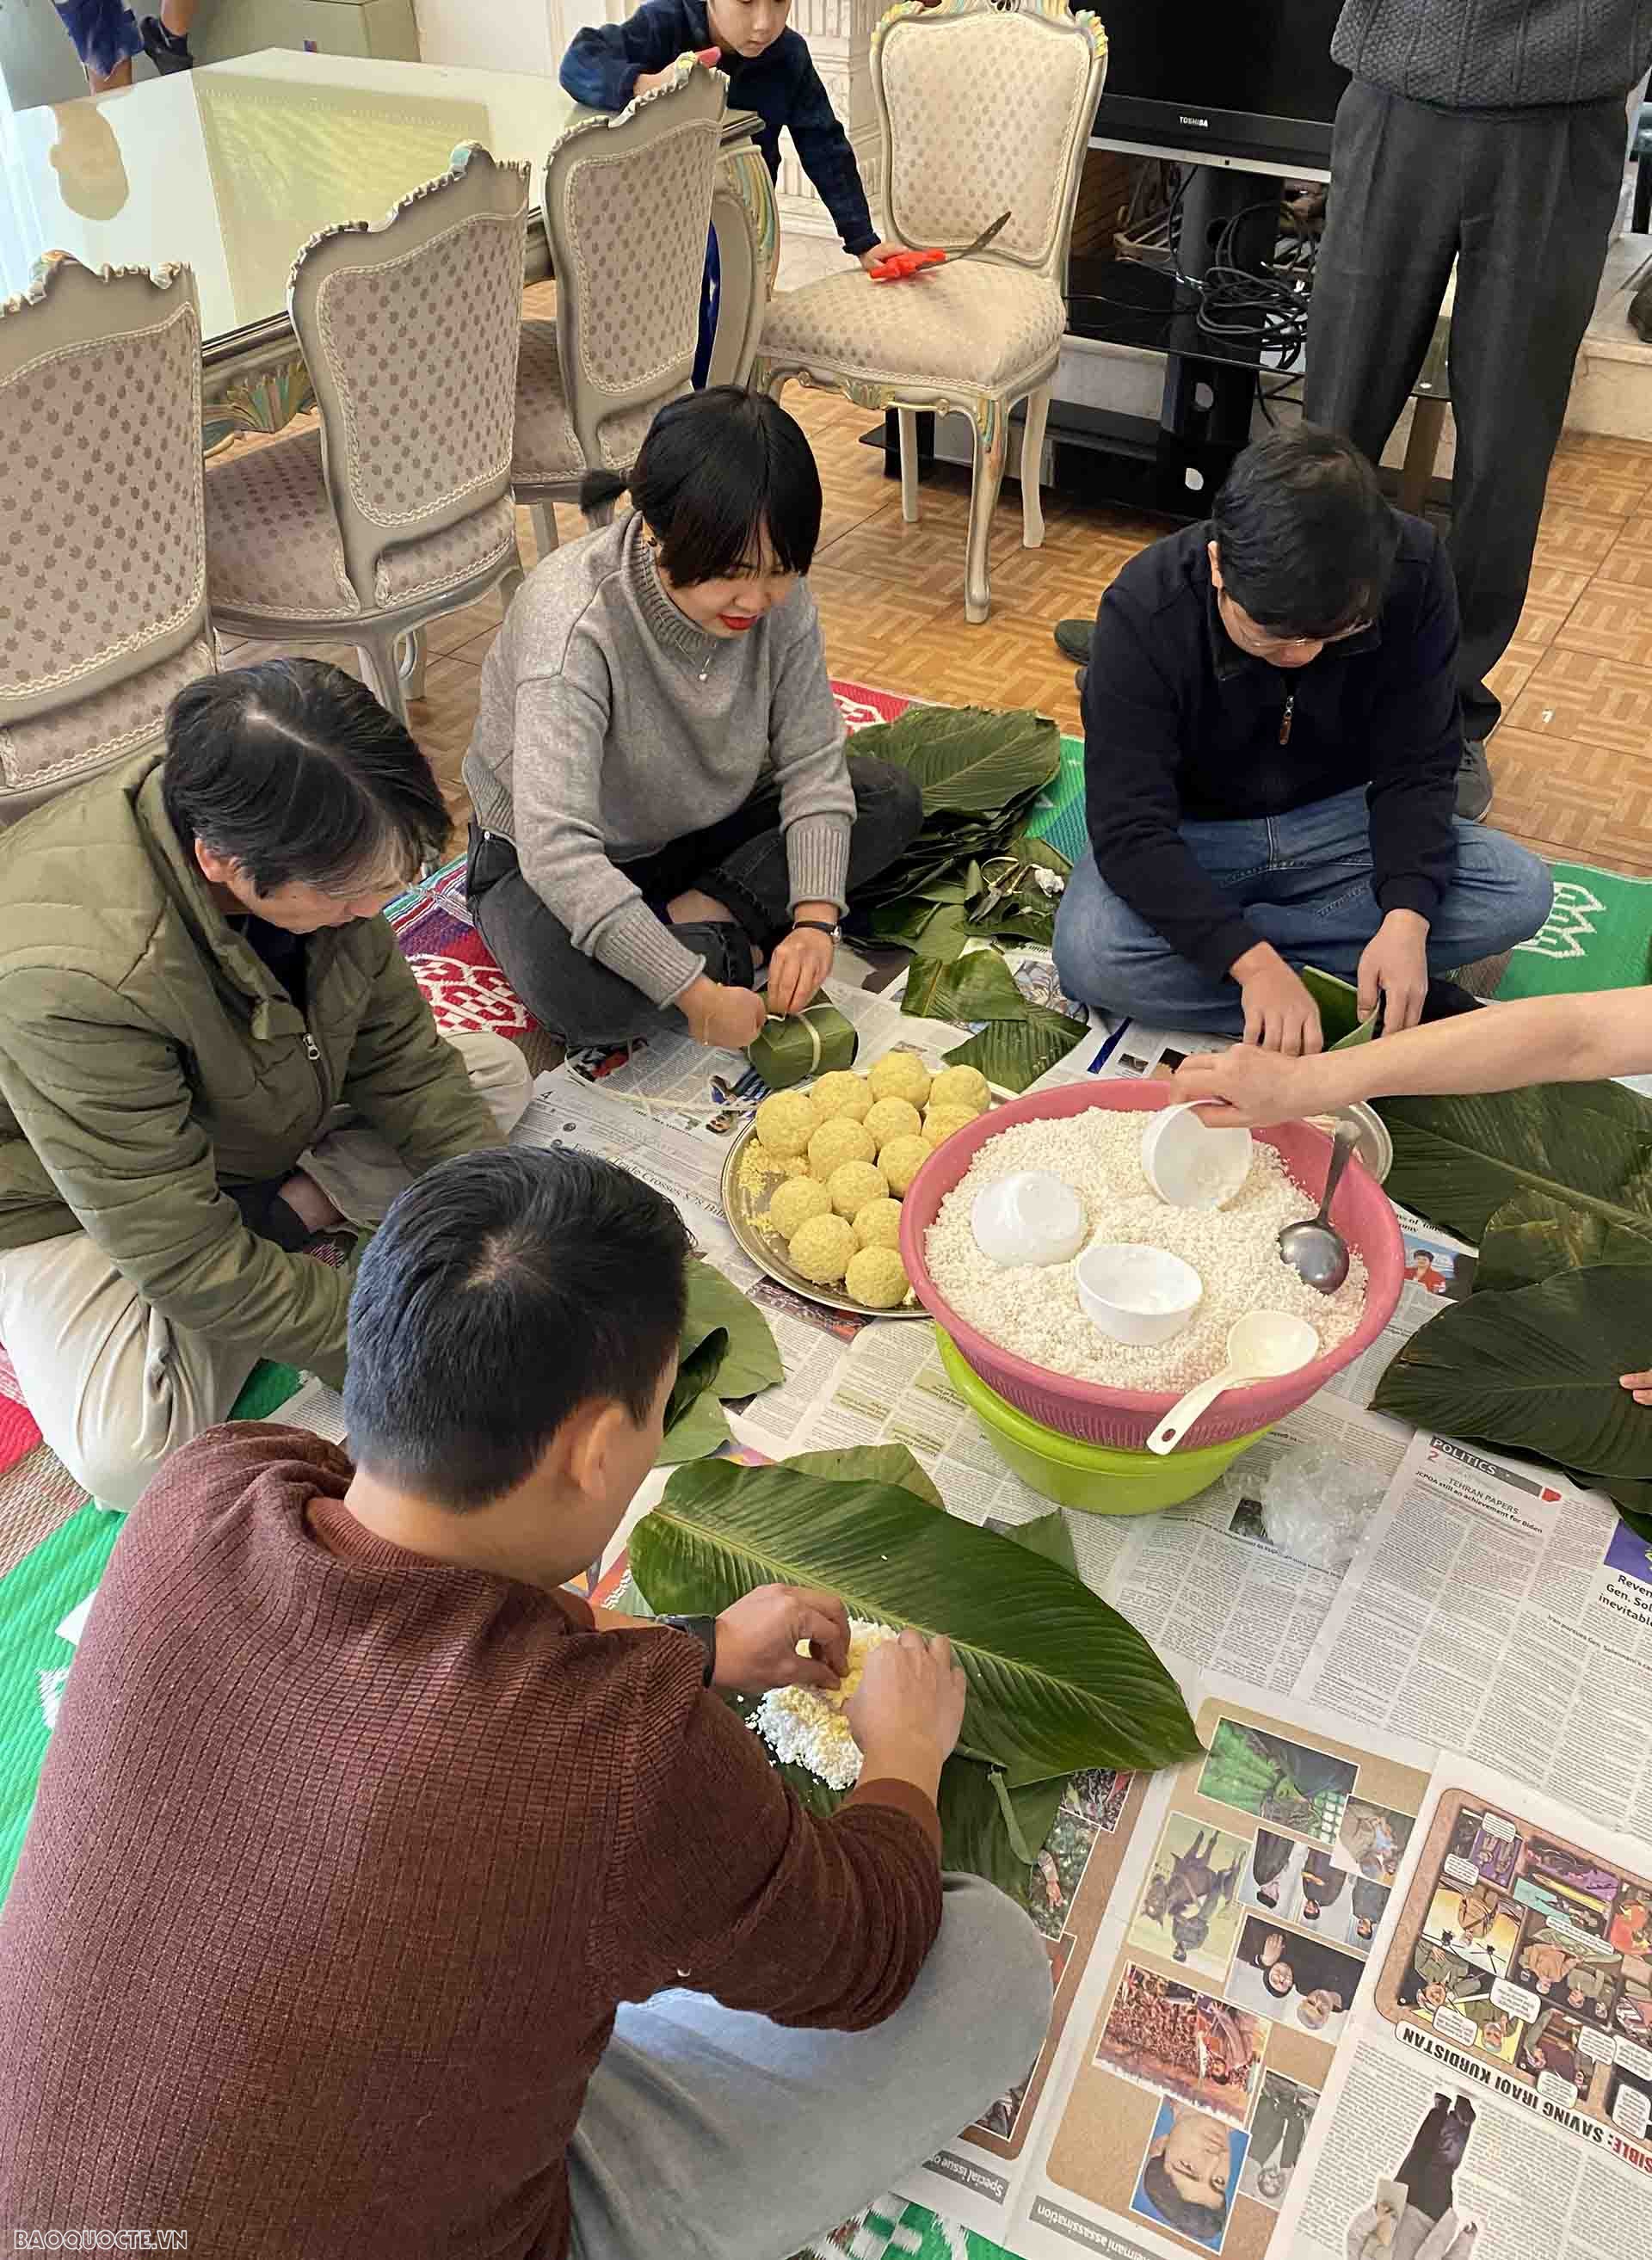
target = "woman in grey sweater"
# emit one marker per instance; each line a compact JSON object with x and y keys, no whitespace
{"x":663,"y":803}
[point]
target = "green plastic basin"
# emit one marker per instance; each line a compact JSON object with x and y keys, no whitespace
{"x":1094,"y":1479}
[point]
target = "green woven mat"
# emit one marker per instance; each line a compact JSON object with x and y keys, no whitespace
{"x":894,"y":2230}
{"x":34,"y":1599}
{"x":34,"y":1662}
{"x":1599,"y":936}
{"x":1060,"y":816}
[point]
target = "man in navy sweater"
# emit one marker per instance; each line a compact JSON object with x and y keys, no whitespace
{"x":1272,"y":739}
{"x":770,"y":71}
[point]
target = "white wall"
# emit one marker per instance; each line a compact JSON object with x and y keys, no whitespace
{"x":519,"y":35}
{"x":511,"y":35}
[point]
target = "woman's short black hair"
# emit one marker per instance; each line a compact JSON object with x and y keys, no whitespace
{"x":722,"y":476}
{"x":1303,"y":534}
{"x":294,"y":771}
{"x":1204,"y":2221}
{"x":502,"y":1291}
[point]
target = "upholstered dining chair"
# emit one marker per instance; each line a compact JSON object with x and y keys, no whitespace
{"x":627,"y":207}
{"x":103,"y":540}
{"x":982,"y":109}
{"x":396,"y":508}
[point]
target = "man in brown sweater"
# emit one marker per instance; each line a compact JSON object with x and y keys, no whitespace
{"x":383,"y":1899}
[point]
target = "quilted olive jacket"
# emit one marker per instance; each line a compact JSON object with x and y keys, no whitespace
{"x":148,"y":1058}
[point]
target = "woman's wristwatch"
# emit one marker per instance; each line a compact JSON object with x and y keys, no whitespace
{"x":833,"y":932}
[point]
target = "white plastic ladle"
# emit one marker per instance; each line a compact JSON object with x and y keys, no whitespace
{"x":1260,"y":1345}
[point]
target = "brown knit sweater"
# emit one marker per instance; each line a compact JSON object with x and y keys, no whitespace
{"x":342,"y":1861}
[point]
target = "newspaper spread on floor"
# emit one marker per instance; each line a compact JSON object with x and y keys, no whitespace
{"x":1497,"y":2094}
{"x":1294,"y":1978}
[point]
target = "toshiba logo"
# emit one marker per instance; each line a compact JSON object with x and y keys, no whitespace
{"x":1184,"y":120}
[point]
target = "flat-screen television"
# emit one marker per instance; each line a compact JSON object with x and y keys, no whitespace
{"x":1237,"y":78}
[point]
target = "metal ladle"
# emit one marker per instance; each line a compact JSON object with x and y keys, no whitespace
{"x":1316,"y":1250}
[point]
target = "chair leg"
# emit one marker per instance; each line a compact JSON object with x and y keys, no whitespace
{"x":983,"y":500}
{"x":381,"y":672}
{"x":511,"y":583}
{"x":545,"y":533}
{"x":1032,"y":467}
{"x":409,"y":660}
{"x":906,"y":420}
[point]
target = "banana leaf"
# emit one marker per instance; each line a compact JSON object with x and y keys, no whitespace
{"x":1534,"y":1235}
{"x":701,"y":1429}
{"x":979,"y":987}
{"x":1013,"y":1054}
{"x":982,"y":775}
{"x":698,"y":1371}
{"x":1338,"y":1004}
{"x":1047,"y":1535}
{"x":726,"y":1354}
{"x":1058,"y":1680}
{"x":788,"y":1051}
{"x":967,"y":758}
{"x":878,"y":1463}
{"x":752,"y":1359}
{"x":1535,"y":1370}
{"x":1587,"y":1146}
{"x":941,"y":931}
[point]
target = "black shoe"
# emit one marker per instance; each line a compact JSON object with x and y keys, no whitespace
{"x":1072,"y":639}
{"x":1079,"y":681}
{"x":167,"y":53}
{"x":1474,"y":783}
{"x":1445,"y":999}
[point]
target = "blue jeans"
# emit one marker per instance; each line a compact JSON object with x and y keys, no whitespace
{"x":710,"y":301}
{"x":1302,"y":882}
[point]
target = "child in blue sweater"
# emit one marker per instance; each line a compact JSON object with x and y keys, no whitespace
{"x":770,"y":71}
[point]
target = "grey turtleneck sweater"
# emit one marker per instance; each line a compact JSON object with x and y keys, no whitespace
{"x":609,"y":726}
{"x":1496,"y":55}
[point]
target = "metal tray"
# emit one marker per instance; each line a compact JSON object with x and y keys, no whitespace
{"x":745,"y":1210}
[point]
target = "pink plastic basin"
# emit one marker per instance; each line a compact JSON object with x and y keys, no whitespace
{"x":1127,"y":1417}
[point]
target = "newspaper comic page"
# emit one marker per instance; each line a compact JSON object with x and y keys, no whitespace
{"x":1210,"y":1937}
{"x":1495,"y":2103}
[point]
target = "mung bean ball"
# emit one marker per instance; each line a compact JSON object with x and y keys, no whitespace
{"x":943,"y":1122}
{"x":838,"y":1141}
{"x":853,"y":1185}
{"x":794,"y":1201}
{"x":877,"y":1276}
{"x":901,"y":1160}
{"x":821,"y":1250}
{"x":877,"y":1225}
{"x":785,"y":1123}
{"x":961,"y":1086}
{"x":841,"y":1091}
{"x":893,"y":1118}
{"x":899,"y":1075}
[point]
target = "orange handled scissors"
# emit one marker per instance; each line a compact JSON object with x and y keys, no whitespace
{"x":900,"y":266}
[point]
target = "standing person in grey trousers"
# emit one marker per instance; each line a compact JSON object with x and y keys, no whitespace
{"x":1490,"y":133}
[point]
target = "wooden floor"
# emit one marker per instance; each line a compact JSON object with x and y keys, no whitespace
{"x":1572,"y":761}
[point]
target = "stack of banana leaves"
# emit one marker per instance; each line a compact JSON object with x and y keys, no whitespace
{"x":973,"y":874}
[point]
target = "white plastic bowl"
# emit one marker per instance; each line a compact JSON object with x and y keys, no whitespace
{"x":1140,"y":1295}
{"x":1030,"y":1218}
{"x":1189,"y":1164}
